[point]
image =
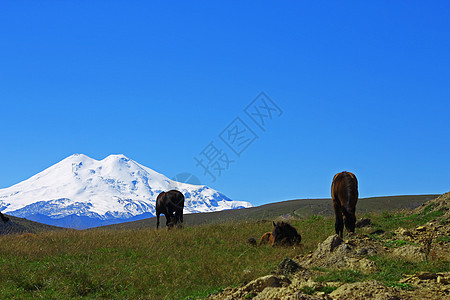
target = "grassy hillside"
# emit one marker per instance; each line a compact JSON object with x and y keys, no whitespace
{"x":135,"y":264}
{"x":149,"y":264}
{"x":293,"y":208}
{"x":20,"y":225}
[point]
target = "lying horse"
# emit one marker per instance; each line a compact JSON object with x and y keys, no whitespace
{"x":344,"y":192}
{"x":170,"y":204}
{"x":283,"y":234}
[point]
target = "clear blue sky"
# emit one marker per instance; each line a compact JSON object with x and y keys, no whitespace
{"x":363,"y":87}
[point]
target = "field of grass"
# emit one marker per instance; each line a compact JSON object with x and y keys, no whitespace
{"x":178,"y":264}
{"x":134,"y":263}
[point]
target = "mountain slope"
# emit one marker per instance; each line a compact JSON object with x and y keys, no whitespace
{"x":82,"y":192}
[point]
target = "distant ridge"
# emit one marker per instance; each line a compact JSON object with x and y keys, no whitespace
{"x":268,"y":212}
{"x":301,"y":208}
{"x":20,"y":225}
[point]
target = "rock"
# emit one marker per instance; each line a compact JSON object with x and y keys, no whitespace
{"x":363,"y":264}
{"x":408,"y":278}
{"x":328,"y":246}
{"x":362,"y":252}
{"x":421,"y":228}
{"x":366,"y":251}
{"x":426,"y":275}
{"x":343,"y":249}
{"x":256,"y":289}
{"x":363,"y":222}
{"x":252,"y":241}
{"x":403,"y":233}
{"x":378,"y":232}
{"x":312,"y":284}
{"x":409,"y":252}
{"x":443,"y":280}
{"x":287,"y":266}
{"x":277,"y":294}
{"x":301,"y":296}
{"x":365,"y":290}
{"x":261,"y":283}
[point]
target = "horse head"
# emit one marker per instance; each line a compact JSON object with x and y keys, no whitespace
{"x":285,"y":233}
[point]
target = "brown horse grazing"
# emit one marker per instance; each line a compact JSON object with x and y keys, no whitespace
{"x":283,"y":234}
{"x":170,"y":204}
{"x":344,"y":192}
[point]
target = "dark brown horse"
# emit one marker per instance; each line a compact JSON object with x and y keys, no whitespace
{"x":170,"y":204}
{"x":344,"y":192}
{"x":283,"y":234}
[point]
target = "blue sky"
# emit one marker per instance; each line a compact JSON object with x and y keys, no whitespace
{"x":362,"y":87}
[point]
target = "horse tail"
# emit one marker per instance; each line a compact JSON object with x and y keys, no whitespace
{"x":351,"y":189}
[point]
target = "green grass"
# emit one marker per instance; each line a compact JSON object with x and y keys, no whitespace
{"x":397,"y":243}
{"x":391,"y":221}
{"x":391,"y":270}
{"x":428,"y":208}
{"x":310,"y":290}
{"x":146,"y":263}
{"x":179,"y":264}
{"x":307,"y":290}
{"x":402,"y":286}
{"x":445,"y":239}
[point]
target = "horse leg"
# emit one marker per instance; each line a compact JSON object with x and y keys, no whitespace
{"x":157,"y":221}
{"x":179,"y":218}
{"x":349,"y":220}
{"x":170,"y":219}
{"x":339,"y":224}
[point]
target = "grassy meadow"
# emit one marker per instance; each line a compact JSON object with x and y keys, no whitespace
{"x":148,"y":264}
{"x":144,"y":263}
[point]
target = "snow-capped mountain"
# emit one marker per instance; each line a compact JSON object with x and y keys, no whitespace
{"x":83,"y":192}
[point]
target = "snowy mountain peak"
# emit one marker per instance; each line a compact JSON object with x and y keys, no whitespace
{"x":117,"y":156}
{"x":114,"y":189}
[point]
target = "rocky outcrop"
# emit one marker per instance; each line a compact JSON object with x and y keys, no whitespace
{"x":296,"y":278}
